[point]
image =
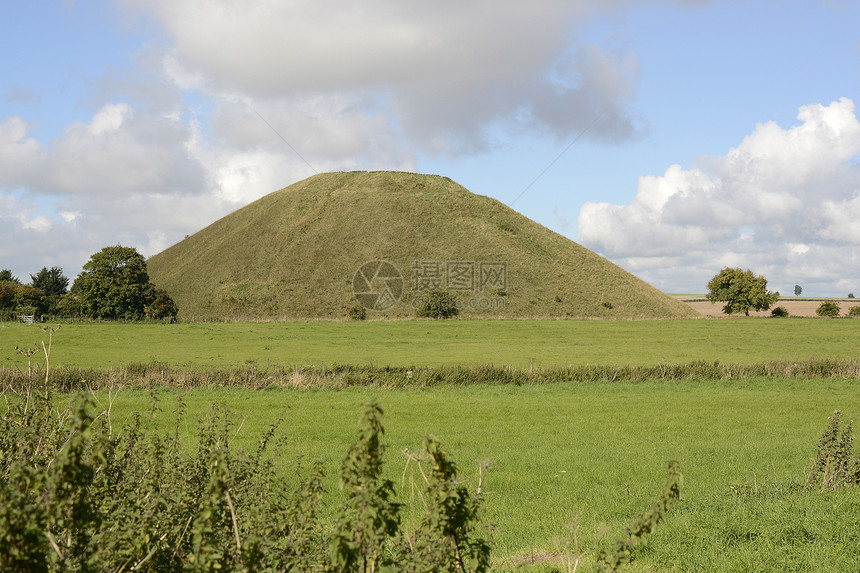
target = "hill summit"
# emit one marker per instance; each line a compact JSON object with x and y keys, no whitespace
{"x":383,"y":239}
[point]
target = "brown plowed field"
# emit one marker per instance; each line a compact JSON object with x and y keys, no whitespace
{"x":794,"y":307}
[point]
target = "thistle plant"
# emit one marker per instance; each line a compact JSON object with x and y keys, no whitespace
{"x":831,"y":466}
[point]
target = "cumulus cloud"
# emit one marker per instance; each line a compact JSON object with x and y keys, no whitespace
{"x":785,"y":201}
{"x":447,"y":70}
{"x":20,"y":154}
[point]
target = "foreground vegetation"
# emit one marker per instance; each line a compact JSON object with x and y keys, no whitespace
{"x":563,"y":469}
{"x":74,"y":496}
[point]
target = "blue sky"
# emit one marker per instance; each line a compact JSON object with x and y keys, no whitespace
{"x":673,"y":137}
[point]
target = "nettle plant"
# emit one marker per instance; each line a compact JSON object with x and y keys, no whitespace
{"x":76,"y":496}
{"x":832,"y":466}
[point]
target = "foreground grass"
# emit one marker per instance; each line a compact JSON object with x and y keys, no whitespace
{"x":590,"y":457}
{"x":430,"y":343}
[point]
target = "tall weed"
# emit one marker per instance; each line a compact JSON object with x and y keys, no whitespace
{"x":75,"y":496}
{"x":832,"y":465}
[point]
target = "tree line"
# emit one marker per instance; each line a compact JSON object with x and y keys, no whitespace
{"x":114,"y":285}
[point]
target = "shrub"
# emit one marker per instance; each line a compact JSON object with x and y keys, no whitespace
{"x":438,"y":304}
{"x":161,"y":307}
{"x":357,"y":312}
{"x":828,"y":308}
{"x":854,"y":312}
{"x":779,"y":311}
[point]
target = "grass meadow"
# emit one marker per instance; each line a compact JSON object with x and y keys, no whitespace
{"x":521,"y":344}
{"x":571,"y":464}
{"x":589,"y":458}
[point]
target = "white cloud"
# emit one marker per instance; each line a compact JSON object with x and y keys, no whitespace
{"x":109,"y":118}
{"x":28,"y":238}
{"x":447,"y":70}
{"x":784,"y":200}
{"x":121,"y":152}
{"x":69,"y":216}
{"x":20,"y":155}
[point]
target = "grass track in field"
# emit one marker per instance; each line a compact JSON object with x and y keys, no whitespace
{"x":431,"y":343}
{"x":596,"y":454}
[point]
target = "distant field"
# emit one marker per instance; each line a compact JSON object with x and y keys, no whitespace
{"x":804,"y":307}
{"x":430,"y":343}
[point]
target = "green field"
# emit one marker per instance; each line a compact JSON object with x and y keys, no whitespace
{"x":595,"y":456}
{"x":586,"y":456}
{"x":433,"y":343}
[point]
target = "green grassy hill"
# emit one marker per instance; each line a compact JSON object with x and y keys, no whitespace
{"x":295,"y":253}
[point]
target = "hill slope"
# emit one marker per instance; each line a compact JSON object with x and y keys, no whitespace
{"x":301,"y":252}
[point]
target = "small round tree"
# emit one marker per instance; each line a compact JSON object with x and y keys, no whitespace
{"x":438,"y":304}
{"x":779,"y":312}
{"x":797,"y":290}
{"x":828,"y":309}
{"x":741,"y":291}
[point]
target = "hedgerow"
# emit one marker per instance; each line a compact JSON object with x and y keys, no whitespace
{"x":152,"y":375}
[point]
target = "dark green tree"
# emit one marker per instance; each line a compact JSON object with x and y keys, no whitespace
{"x":797,"y":290}
{"x":29,"y":300}
{"x":17,"y":299}
{"x":741,"y":291}
{"x":6,"y":275}
{"x":7,"y":294}
{"x":50,"y":282}
{"x":162,"y":306}
{"x":53,"y":285}
{"x":115,"y":284}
